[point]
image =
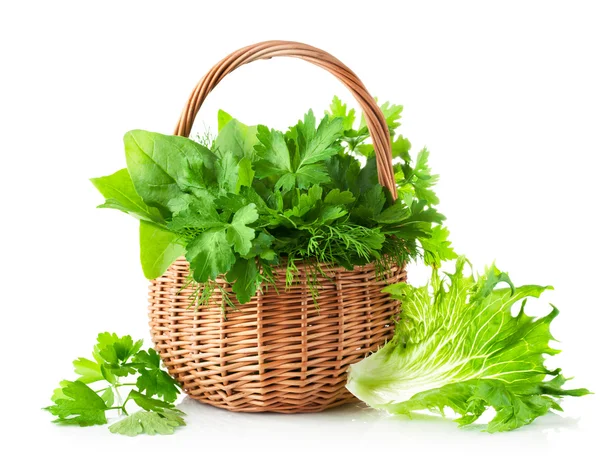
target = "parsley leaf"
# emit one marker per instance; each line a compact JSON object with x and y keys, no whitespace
{"x":152,"y":379}
{"x":239,"y":235}
{"x":151,"y":423}
{"x":245,"y":276}
{"x":88,"y":370}
{"x":210,"y":255}
{"x":78,"y":405}
{"x":273,"y":153}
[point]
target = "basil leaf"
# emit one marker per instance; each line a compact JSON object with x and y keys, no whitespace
{"x":120,"y":194}
{"x":159,"y":248}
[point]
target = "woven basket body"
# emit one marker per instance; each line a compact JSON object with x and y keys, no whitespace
{"x":279,"y":352}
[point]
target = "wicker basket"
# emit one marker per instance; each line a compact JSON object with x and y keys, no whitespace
{"x":279,"y":352}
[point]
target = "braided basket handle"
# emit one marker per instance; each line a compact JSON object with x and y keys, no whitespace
{"x":374,"y":117}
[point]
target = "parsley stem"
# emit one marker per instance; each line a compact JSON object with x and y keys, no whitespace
{"x":119,"y":399}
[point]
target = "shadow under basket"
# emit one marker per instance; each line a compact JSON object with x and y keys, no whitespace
{"x":278,"y":352}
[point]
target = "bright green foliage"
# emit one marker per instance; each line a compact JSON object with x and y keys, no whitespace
{"x":160,"y":248}
{"x":239,"y":235}
{"x":151,"y":423}
{"x":77,"y":403}
{"x":457,"y":345}
{"x":112,"y":353}
{"x":255,"y":197}
{"x":89,"y":371}
{"x":120,"y":194}
{"x":153,"y":380}
{"x":210,"y":255}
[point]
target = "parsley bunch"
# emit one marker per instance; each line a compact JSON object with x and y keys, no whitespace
{"x":255,"y":197}
{"x":116,"y":360}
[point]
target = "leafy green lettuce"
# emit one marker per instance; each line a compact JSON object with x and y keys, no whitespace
{"x":457,"y":345}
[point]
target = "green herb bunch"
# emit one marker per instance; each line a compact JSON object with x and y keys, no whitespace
{"x":119,"y":363}
{"x":255,"y":197}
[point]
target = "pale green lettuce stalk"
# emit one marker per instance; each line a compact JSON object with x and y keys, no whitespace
{"x":457,"y":345}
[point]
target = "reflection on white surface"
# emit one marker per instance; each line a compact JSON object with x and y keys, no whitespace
{"x":353,"y":422}
{"x":351,"y":439}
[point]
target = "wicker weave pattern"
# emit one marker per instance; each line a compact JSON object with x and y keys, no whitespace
{"x":278,"y":352}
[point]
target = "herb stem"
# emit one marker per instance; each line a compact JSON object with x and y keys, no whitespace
{"x":119,"y":399}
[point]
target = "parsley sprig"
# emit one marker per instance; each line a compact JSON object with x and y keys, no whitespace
{"x":118,"y":363}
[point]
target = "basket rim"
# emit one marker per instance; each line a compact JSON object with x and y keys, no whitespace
{"x":305,"y":264}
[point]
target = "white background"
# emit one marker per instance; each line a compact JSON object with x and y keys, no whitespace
{"x":504,"y":94}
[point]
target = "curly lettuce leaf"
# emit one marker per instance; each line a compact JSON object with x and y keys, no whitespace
{"x":458,"y":346}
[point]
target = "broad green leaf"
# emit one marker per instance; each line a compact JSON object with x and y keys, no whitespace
{"x":58,"y":392}
{"x":316,"y":145}
{"x":370,"y":203}
{"x":244,"y":275}
{"x":78,"y":405}
{"x":108,"y":396}
{"x":344,"y":172}
{"x":339,"y":109}
{"x":328,"y":214}
{"x":88,"y":371}
{"x":239,"y":235}
{"x":235,"y":138}
{"x":437,"y":247}
{"x":272,"y":152}
{"x":163,"y":166}
{"x":151,"y":423}
{"x":149,"y":403}
{"x":227,"y":173}
{"x":459,"y":346}
{"x":210,"y":255}
{"x":112,"y":353}
{"x":337,"y":197}
{"x":392,"y":114}
{"x":197,"y":214}
{"x":306,"y":202}
{"x":311,"y":175}
{"x":367,"y":178}
{"x":424,"y":179}
{"x":262,"y":247}
{"x":159,"y":248}
{"x":223,"y":118}
{"x":120,"y":194}
{"x":394,"y":214}
{"x":152,"y":379}
{"x":401,"y":148}
{"x":286,"y":182}
{"x":245,"y":174}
